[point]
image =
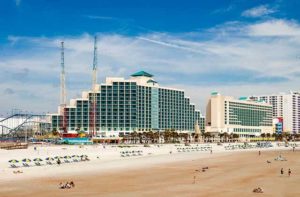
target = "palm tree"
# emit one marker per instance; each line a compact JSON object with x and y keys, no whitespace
{"x":221,"y":136}
{"x":133,"y":137}
{"x":149,"y":136}
{"x":226,"y":135}
{"x":140,"y":137}
{"x":184,"y":136}
{"x":155,"y":137}
{"x":167,"y":135}
{"x":235,"y":136}
{"x":206,"y":135}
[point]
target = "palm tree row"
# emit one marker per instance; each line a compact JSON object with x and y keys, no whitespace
{"x":167,"y":136}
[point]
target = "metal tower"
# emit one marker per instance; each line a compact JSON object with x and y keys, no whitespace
{"x":63,"y":90}
{"x":62,"y":78}
{"x":95,"y":65}
{"x":94,"y":94}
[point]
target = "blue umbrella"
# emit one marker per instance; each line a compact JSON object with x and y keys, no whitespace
{"x":26,"y":160}
{"x":13,"y":161}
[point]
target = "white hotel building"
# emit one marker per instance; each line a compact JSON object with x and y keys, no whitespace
{"x":286,"y":106}
{"x":244,"y":117}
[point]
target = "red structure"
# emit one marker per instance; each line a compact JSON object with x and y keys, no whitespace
{"x":92,"y":116}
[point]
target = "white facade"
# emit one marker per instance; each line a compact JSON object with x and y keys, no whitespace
{"x":286,"y":106}
{"x":244,"y":117}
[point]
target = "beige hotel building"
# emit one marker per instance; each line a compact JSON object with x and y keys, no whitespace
{"x":244,"y":117}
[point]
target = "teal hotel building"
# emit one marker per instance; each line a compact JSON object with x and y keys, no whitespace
{"x":120,"y":106}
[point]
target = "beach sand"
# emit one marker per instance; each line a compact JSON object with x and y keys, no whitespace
{"x":229,"y":174}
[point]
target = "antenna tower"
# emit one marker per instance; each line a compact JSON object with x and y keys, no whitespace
{"x":63,"y":90}
{"x":62,"y":77}
{"x":94,"y":94}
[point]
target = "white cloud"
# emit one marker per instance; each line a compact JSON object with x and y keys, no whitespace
{"x":275,"y":28}
{"x":262,"y":10}
{"x":235,"y":59}
{"x":100,"y":17}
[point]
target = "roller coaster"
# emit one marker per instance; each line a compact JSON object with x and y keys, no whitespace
{"x":20,"y":125}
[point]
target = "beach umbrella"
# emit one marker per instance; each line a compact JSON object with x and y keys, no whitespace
{"x":74,"y":156}
{"x":26,"y":160}
{"x":58,"y":157}
{"x":13,"y":161}
{"x":37,"y":159}
{"x":67,"y":157}
{"x":49,"y":159}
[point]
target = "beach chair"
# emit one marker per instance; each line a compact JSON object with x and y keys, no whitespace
{"x":37,"y":163}
{"x":25,"y":164}
{"x":49,"y":163}
{"x":13,"y":165}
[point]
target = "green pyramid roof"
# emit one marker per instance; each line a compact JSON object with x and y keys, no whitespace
{"x":151,"y":81}
{"x":141,"y":73}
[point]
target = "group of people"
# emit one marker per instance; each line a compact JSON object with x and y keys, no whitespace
{"x":67,"y":185}
{"x":258,"y":190}
{"x":289,"y":172}
{"x":18,"y":172}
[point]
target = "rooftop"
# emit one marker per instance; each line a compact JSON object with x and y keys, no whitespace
{"x":141,"y":73}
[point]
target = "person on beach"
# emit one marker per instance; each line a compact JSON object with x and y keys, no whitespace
{"x":281,"y":171}
{"x":294,"y":149}
{"x":290,"y":172}
{"x":61,"y":186}
{"x":210,"y":151}
{"x":58,"y":161}
{"x":259,"y":153}
{"x":194,"y":179}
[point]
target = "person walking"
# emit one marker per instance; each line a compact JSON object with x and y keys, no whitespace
{"x":281,"y":171}
{"x":259,"y":153}
{"x":290,"y":172}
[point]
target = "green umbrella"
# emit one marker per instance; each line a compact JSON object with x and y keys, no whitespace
{"x":37,"y":159}
{"x":58,"y":157}
{"x":26,"y":160}
{"x":49,"y":159}
{"x":13,"y":161}
{"x":67,"y":157}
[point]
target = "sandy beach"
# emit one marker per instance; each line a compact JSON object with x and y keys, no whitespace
{"x":157,"y":173}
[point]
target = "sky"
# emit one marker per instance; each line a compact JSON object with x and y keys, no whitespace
{"x":235,"y":47}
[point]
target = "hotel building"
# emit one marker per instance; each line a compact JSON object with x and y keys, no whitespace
{"x":121,"y":106}
{"x":286,"y":106}
{"x":243,"y":117}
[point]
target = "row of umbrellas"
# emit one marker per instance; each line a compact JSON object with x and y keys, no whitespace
{"x":27,"y":160}
{"x":137,"y":151}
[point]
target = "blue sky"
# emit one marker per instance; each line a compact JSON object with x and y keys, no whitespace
{"x":237,"y":47}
